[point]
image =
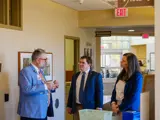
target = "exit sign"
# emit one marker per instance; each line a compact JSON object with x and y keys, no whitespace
{"x":121,"y":12}
{"x":145,"y":36}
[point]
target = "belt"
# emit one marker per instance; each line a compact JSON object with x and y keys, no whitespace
{"x":78,"y":104}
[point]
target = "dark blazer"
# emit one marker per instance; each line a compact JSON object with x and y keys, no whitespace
{"x":50,"y":112}
{"x":132,"y":93}
{"x":93,"y":95}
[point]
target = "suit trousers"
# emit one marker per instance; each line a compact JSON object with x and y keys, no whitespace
{"x":24,"y":118}
{"x":76,"y":114}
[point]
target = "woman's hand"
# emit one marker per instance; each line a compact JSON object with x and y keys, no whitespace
{"x":115,"y":108}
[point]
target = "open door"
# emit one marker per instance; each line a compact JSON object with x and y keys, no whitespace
{"x":71,"y":64}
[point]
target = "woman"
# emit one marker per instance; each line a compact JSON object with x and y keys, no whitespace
{"x":128,"y":87}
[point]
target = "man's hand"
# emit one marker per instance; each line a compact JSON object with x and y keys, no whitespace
{"x":98,"y":108}
{"x":69,"y":110}
{"x":54,"y":87}
{"x":49,"y":86}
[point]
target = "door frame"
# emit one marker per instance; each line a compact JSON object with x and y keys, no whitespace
{"x":77,"y":40}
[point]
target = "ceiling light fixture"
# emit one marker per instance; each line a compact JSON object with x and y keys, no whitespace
{"x":131,"y":30}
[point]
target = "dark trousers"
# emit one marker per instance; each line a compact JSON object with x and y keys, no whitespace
{"x":76,"y":114}
{"x":24,"y":118}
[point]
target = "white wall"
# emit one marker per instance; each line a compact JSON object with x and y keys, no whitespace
{"x":157,"y":56}
{"x":44,"y":25}
{"x":150,"y":46}
{"x":141,"y":41}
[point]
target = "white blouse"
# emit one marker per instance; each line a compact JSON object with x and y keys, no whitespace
{"x":120,"y":90}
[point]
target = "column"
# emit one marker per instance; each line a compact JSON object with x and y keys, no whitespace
{"x":157,"y":59}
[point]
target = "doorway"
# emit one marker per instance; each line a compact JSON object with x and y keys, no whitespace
{"x":72,"y":54}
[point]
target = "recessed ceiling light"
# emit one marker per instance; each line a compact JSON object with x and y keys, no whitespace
{"x":131,"y":30}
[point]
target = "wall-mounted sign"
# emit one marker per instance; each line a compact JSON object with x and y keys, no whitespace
{"x":121,"y":12}
{"x":135,"y":3}
{"x":102,"y":33}
{"x":88,"y":44}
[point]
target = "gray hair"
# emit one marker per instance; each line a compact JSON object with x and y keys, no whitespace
{"x":37,"y":53}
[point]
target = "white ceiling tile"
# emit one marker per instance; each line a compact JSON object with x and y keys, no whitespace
{"x":86,"y":5}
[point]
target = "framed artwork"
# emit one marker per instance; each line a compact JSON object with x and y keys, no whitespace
{"x":88,"y":52}
{"x":24,"y":59}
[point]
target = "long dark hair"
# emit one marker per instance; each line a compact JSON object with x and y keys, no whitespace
{"x":133,"y":66}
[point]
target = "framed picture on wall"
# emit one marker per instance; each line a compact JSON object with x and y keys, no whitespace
{"x":24,"y":59}
{"x":88,"y":52}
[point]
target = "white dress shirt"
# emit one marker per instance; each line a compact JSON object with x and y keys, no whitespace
{"x":78,"y":84}
{"x":38,"y":76}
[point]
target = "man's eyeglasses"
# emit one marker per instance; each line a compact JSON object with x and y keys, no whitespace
{"x":45,"y":59}
{"x":81,"y":62}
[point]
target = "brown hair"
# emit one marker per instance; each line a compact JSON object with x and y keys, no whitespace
{"x":133,"y":66}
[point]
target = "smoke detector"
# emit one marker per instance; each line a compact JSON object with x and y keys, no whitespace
{"x":81,"y":1}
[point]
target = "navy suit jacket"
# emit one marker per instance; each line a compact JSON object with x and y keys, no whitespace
{"x":93,"y":92}
{"x":132,"y":93}
{"x":50,"y":112}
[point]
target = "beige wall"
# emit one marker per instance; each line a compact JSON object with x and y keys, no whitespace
{"x":69,"y":49}
{"x":103,"y":18}
{"x":44,"y":25}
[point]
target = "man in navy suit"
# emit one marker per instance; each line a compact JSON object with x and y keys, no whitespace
{"x":86,"y":90}
{"x":35,"y":101}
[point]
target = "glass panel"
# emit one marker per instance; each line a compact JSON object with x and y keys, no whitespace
{"x":107,"y":46}
{"x":3,"y":11}
{"x":119,"y":45}
{"x":115,"y":60}
{"x":15,"y":13}
{"x":103,"y":60}
{"x":126,"y":45}
{"x":108,"y":60}
{"x":126,"y":37}
{"x":114,"y":45}
{"x":113,"y":72}
{"x":119,"y":37}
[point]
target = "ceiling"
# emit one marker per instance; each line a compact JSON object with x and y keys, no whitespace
{"x":87,"y":4}
{"x":101,"y":5}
